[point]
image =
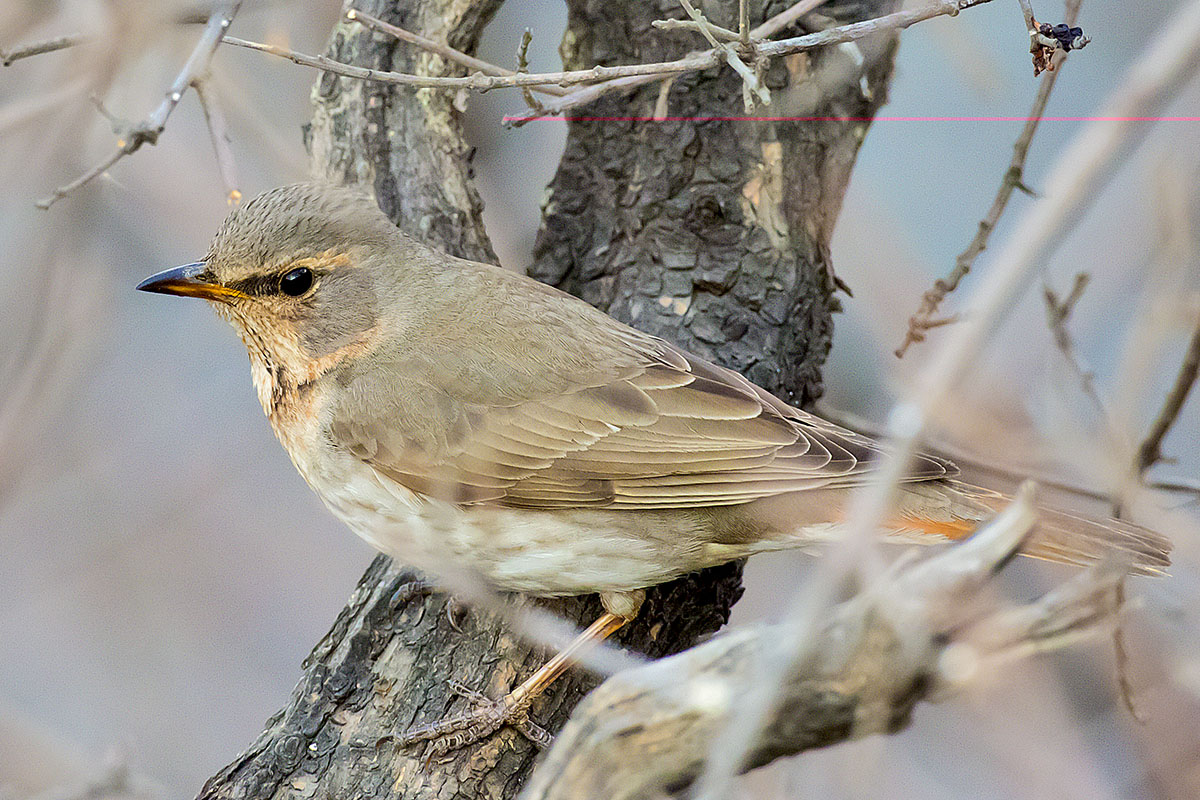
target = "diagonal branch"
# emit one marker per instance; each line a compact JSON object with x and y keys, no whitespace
{"x":752,"y":87}
{"x":443,"y":50}
{"x":218,"y":132}
{"x":7,"y":57}
{"x":1057,"y":313}
{"x":148,"y":130}
{"x":1150,"y":451}
{"x":927,"y":315}
{"x":918,"y":635}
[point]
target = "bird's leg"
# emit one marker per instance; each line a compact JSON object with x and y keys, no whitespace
{"x":488,"y":716}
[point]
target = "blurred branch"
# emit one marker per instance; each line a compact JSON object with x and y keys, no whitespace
{"x":1057,"y":314}
{"x":926,"y":316}
{"x":609,"y":78}
{"x":1149,"y":452}
{"x":917,"y":635}
{"x":1007,"y":472}
{"x":1072,"y":185}
{"x":7,"y":57}
{"x":218,"y":131}
{"x":443,"y":50}
{"x":148,"y":130}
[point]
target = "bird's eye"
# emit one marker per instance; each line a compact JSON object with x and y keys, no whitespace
{"x":296,"y":282}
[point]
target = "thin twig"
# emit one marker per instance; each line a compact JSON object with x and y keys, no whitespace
{"x":784,"y":18}
{"x":7,"y":57}
{"x":218,"y":131}
{"x":1149,"y":452}
{"x":1057,"y":314}
{"x":623,"y":76}
{"x":744,"y":21}
{"x":1075,"y":180}
{"x":1027,"y":12}
{"x":443,"y":50}
{"x":1014,"y":178}
{"x":749,"y":79}
{"x":480,"y":81}
{"x":523,"y":66}
{"x":724,"y":34}
{"x":989,"y":465}
{"x":709,"y":58}
{"x":764,"y":31}
{"x":149,"y":129}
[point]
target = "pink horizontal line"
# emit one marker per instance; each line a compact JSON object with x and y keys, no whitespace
{"x":511,"y":118}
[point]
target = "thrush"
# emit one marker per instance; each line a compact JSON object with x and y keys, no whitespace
{"x":457,"y":415}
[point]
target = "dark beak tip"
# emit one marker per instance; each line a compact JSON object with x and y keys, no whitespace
{"x":151,"y":284}
{"x":170,"y":281}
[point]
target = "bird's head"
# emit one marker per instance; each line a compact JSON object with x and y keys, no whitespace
{"x":299,"y":271}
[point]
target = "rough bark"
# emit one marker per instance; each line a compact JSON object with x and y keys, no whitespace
{"x":712,"y":234}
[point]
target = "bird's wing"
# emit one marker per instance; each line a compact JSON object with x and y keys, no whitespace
{"x":650,"y":427}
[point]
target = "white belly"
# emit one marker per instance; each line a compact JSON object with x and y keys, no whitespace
{"x":557,"y":552}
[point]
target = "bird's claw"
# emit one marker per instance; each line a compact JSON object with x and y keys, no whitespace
{"x":485,"y":718}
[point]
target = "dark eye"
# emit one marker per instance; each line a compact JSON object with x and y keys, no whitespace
{"x":296,"y":282}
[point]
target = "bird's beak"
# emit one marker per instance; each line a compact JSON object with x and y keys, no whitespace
{"x":190,"y":280}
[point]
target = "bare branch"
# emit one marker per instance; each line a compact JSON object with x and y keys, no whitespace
{"x":218,"y":131}
{"x":709,"y":58}
{"x":749,"y":79}
{"x":1057,"y":314}
{"x":764,"y":31}
{"x":443,"y":50}
{"x":724,"y":34}
{"x":148,"y":130}
{"x":1027,"y":12}
{"x":1149,"y":451}
{"x":784,"y":18}
{"x":1014,"y":177}
{"x":479,"y":81}
{"x":7,"y":57}
{"x":919,"y":635}
{"x":523,"y":66}
{"x":623,"y":76}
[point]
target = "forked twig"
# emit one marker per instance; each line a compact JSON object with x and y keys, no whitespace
{"x":1013,"y":178}
{"x":148,"y":130}
{"x":444,"y":50}
{"x":1057,"y":313}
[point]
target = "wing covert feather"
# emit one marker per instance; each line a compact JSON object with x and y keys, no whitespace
{"x":612,"y":417}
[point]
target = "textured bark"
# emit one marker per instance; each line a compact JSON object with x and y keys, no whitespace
{"x":714,"y":235}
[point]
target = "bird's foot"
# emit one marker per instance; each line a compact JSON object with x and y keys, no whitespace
{"x":468,"y":727}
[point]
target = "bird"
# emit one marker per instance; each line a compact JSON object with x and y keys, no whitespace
{"x":461,"y":416}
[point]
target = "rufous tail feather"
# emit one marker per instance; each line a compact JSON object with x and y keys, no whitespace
{"x":951,"y":510}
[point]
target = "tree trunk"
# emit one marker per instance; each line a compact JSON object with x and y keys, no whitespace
{"x":712,"y":234}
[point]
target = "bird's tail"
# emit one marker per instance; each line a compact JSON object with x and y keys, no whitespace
{"x":951,"y":510}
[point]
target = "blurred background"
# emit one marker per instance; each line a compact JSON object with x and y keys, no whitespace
{"x":163,"y":570}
